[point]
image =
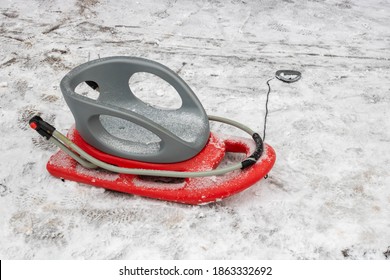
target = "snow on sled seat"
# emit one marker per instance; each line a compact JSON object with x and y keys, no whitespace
{"x":117,"y":121}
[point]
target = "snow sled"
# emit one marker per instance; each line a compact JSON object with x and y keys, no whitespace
{"x":123,"y":144}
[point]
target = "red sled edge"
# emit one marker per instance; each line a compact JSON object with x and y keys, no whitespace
{"x":189,"y":191}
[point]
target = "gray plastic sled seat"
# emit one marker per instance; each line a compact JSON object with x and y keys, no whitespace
{"x":120,"y":124}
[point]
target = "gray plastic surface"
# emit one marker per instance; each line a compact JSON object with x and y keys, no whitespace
{"x":288,"y":76}
{"x":120,"y":124}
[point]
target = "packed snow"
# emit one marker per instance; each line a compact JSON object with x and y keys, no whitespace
{"x":328,"y":195}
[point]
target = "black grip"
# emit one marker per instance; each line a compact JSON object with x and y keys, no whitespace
{"x":43,"y":128}
{"x":254,"y":157}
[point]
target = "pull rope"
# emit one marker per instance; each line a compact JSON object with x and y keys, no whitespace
{"x":266,"y":108}
{"x":286,"y":76}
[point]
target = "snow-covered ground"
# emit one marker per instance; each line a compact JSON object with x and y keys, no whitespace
{"x":328,"y":195}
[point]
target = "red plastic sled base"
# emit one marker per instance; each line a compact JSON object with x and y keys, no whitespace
{"x":189,"y":191}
